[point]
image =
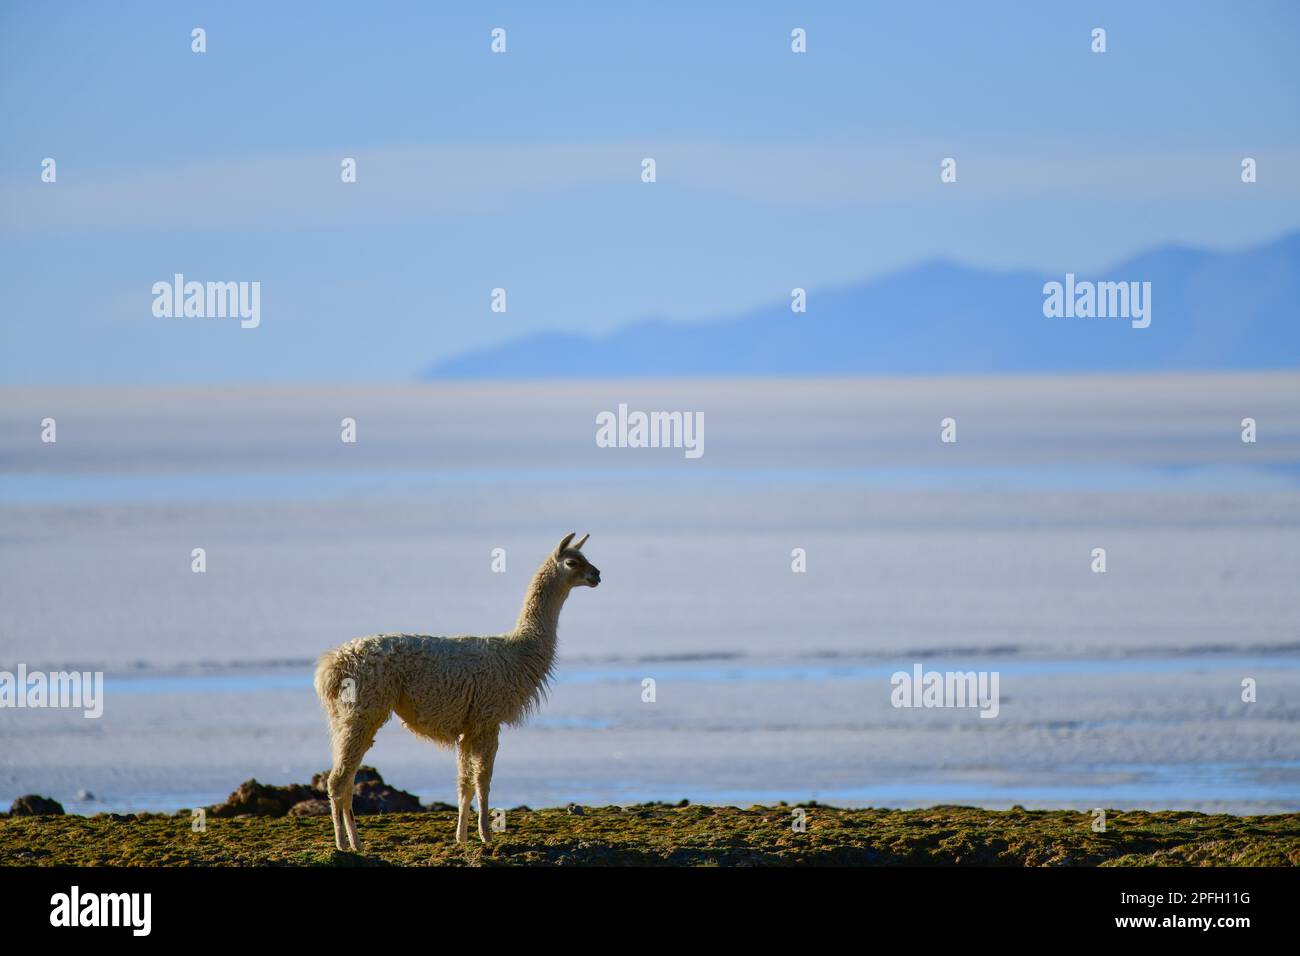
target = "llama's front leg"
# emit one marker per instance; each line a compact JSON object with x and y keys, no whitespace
{"x":464,"y":788}
{"x":484,"y":756}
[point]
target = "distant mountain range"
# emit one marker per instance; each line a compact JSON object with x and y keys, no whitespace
{"x":1209,"y":311}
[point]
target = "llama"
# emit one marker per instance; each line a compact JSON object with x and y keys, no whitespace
{"x":452,"y":690}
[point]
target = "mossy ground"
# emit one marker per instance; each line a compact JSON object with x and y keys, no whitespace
{"x":673,"y":836}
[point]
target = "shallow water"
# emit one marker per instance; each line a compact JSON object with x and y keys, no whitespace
{"x":1122,"y":688}
{"x":742,"y":672}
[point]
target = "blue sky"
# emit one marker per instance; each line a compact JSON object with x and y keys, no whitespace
{"x":522,"y":170}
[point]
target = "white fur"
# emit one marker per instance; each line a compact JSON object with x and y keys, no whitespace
{"x":452,"y":690}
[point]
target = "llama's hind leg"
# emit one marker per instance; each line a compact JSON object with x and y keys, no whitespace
{"x":336,"y":815}
{"x":482,"y":758}
{"x":350,"y":746}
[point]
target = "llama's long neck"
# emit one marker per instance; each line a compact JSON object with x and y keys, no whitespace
{"x":539,"y":618}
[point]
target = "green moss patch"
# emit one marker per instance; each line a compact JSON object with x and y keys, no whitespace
{"x":673,"y":836}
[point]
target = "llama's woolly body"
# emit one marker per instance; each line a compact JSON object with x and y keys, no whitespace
{"x":440,"y":687}
{"x":456,"y":691}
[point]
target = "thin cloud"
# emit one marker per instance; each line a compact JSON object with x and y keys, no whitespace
{"x":449,"y":181}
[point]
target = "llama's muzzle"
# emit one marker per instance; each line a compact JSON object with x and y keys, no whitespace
{"x":593,"y":577}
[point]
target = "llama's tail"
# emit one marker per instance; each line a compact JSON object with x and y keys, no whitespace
{"x":329,"y":677}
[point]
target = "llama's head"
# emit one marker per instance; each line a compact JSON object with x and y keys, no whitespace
{"x":572,"y":565}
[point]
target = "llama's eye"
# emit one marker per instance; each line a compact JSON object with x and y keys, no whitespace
{"x":571,"y":563}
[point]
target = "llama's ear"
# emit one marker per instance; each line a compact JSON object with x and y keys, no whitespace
{"x":581,"y":542}
{"x":559,"y":549}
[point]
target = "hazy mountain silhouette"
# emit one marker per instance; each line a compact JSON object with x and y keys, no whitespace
{"x":1209,"y":311}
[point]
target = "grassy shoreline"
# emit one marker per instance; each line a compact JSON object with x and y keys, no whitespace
{"x":670,"y":836}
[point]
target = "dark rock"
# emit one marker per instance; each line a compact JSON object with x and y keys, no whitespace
{"x":375,"y":796}
{"x":310,"y":808}
{"x":32,"y":805}
{"x":576,"y":810}
{"x":439,"y":806}
{"x":260,"y":800}
{"x":369,"y":795}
